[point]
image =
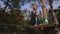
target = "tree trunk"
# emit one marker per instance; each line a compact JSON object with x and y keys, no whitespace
{"x":54,"y":19}
{"x":44,"y":12}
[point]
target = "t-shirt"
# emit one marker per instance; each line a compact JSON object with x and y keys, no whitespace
{"x":36,"y":12}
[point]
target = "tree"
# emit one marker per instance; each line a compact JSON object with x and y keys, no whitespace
{"x":54,"y":19}
{"x":16,"y":19}
{"x":11,"y":4}
{"x":44,"y":12}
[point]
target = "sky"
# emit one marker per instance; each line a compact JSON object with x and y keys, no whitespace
{"x":28,"y":6}
{"x":2,"y":4}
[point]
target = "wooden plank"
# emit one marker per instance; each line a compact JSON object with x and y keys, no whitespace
{"x":42,"y":27}
{"x":39,"y":26}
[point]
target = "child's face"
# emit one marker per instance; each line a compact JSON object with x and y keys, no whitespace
{"x":34,"y":6}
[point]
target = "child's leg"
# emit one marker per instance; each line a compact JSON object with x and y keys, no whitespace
{"x":36,"y":21}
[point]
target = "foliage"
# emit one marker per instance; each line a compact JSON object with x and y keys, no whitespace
{"x":57,"y":11}
{"x":58,"y":14}
{"x":15,"y":19}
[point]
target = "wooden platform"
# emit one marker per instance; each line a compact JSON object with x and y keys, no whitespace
{"x":57,"y":27}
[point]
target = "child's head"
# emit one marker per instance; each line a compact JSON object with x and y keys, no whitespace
{"x":34,"y":6}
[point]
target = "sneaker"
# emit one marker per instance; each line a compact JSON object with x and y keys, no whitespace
{"x":35,"y":25}
{"x":41,"y":24}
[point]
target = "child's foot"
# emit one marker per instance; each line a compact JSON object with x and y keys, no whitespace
{"x":35,"y":25}
{"x":41,"y":24}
